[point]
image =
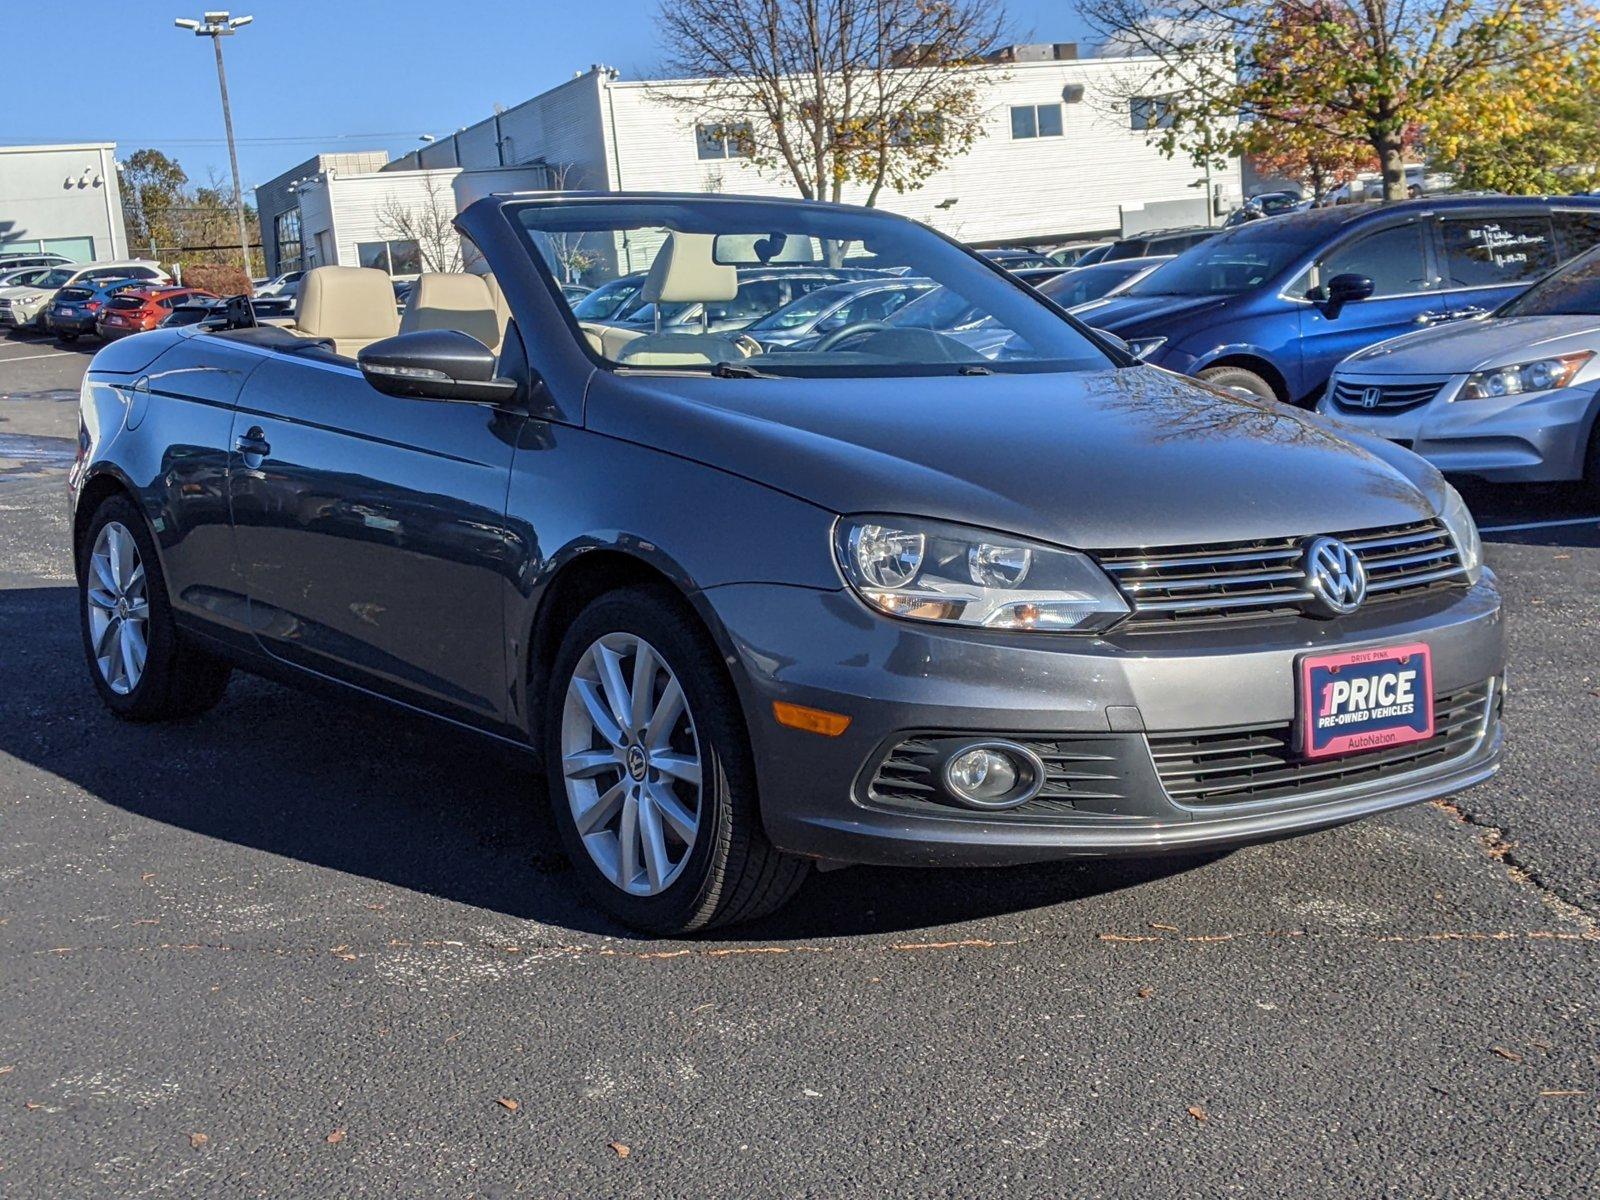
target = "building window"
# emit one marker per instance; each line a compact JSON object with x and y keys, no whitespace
{"x":286,"y":231}
{"x":723,"y":141}
{"x":1035,"y":120}
{"x":397,"y":258}
{"x":1149,"y":112}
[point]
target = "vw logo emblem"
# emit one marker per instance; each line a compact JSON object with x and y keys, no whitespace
{"x":638,"y":762}
{"x":1335,"y":577}
{"x":1370,"y":397}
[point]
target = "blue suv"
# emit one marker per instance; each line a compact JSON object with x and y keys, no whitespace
{"x":1271,"y":307}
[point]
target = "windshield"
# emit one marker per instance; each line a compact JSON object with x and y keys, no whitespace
{"x":60,"y":277}
{"x":1083,"y":284}
{"x":717,"y":268}
{"x":1574,"y":291}
{"x":607,"y":299}
{"x":802,"y":311}
{"x":1232,"y":262}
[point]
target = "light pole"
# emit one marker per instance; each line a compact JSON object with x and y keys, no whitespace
{"x":216,"y":26}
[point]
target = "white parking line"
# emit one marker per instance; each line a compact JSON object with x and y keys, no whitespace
{"x":26,"y":357}
{"x":1540,"y":524}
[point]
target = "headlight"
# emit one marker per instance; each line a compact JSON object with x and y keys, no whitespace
{"x":934,"y":571}
{"x":1539,"y":376}
{"x":1464,"y":532}
{"x":1143,"y":348}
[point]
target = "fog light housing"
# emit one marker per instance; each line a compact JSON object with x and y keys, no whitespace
{"x":993,"y":775}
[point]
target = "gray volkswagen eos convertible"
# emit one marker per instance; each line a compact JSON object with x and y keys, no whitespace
{"x":878,"y":600}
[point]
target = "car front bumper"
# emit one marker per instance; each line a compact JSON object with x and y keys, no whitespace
{"x":1108,"y":698}
{"x":1534,"y":437}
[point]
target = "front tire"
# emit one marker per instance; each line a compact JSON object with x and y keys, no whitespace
{"x":1239,"y":379}
{"x":139,"y":662}
{"x":650,"y":772}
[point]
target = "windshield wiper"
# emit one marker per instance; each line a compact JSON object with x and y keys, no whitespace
{"x":728,"y":370}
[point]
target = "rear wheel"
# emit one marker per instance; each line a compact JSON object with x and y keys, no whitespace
{"x":650,"y":772}
{"x":140,"y":664}
{"x":1240,"y":380}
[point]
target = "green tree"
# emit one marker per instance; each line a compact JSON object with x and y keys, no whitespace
{"x":152,"y":189}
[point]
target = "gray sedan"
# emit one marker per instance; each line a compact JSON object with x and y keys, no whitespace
{"x":1513,"y":396}
{"x":883,"y":601}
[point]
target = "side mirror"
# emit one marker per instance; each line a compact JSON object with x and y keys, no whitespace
{"x":1339,"y":291}
{"x":435,"y":364}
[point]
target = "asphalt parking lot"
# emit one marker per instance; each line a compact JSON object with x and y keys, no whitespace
{"x":293,"y":948}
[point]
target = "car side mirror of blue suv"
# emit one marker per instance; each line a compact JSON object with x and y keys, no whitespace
{"x":1339,"y":291}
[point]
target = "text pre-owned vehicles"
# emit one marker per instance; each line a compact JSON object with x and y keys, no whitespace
{"x":1514,"y":396}
{"x":27,"y":305}
{"x":1271,"y":306}
{"x":886,"y":601}
{"x":73,"y":311}
{"x":138,"y":309}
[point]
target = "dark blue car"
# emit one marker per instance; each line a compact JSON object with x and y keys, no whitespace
{"x":1271,"y":307}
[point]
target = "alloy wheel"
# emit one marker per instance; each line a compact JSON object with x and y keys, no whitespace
{"x":631,"y":764}
{"x":119,"y":608}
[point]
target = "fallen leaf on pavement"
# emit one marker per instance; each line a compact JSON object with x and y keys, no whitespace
{"x":622,"y":1151}
{"x":507,"y":1103}
{"x":1146,"y":992}
{"x":1198,"y":1113}
{"x":1508,"y":1055}
{"x":336,"y":1137}
{"x":198,"y":1139}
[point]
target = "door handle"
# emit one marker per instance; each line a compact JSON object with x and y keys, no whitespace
{"x":1432,"y":318}
{"x":1469,"y":314}
{"x":253,"y":444}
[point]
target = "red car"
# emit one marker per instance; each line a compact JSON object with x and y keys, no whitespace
{"x":140,"y":309}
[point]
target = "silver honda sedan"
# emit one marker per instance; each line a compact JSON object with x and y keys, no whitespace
{"x":1512,"y":396}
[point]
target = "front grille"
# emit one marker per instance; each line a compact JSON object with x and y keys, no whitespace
{"x":1352,"y":396}
{"x":1259,"y":762}
{"x":1223,"y":581}
{"x":1078,"y":771}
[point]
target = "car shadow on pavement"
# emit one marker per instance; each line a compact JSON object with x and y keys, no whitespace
{"x":383,"y":795}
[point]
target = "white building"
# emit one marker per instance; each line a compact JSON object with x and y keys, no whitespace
{"x":1059,"y":157}
{"x":63,"y":199}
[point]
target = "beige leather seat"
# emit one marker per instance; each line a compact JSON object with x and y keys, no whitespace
{"x":684,"y":272}
{"x":461,"y":302}
{"x":350,"y":306}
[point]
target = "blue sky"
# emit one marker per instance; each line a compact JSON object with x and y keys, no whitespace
{"x":314,"y":75}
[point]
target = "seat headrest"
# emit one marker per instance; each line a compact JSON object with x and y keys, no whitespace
{"x":684,"y":272}
{"x":346,"y":304}
{"x":461,"y":302}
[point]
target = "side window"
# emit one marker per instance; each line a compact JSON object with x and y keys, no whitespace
{"x":1492,"y":251}
{"x":1576,"y":232}
{"x":1392,"y":258}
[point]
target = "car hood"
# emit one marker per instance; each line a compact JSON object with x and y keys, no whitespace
{"x":1137,"y":314}
{"x":25,"y":292}
{"x":1110,"y":458}
{"x":1476,"y":345}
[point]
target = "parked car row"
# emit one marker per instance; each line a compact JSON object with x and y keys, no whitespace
{"x":23,"y":304}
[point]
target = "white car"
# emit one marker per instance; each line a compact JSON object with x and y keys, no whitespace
{"x":27,"y":304}
{"x":286,"y":284}
{"x":1512,"y":396}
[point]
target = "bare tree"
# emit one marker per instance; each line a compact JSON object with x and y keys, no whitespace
{"x":430,"y":223}
{"x":868,"y":92}
{"x":571,"y":254}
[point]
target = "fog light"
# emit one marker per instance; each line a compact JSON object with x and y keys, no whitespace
{"x":993,"y":775}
